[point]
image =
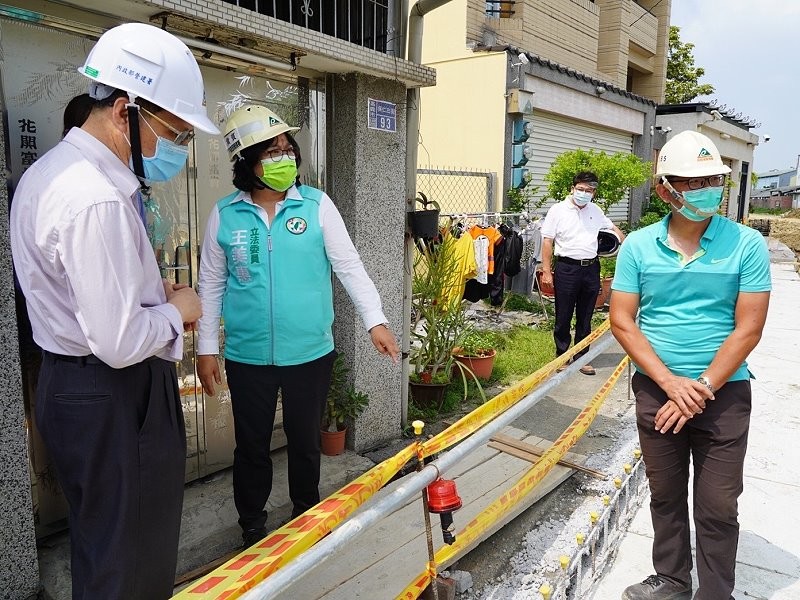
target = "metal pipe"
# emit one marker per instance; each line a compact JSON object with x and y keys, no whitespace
{"x":337,"y":539}
{"x":414,"y":33}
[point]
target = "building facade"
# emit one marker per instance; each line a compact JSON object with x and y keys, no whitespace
{"x":520,"y":82}
{"x":336,"y":70}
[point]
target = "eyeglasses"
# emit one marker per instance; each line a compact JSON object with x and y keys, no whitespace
{"x":276,"y":154}
{"x":181,"y":137}
{"x":695,"y":183}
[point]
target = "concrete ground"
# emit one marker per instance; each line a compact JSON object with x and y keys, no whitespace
{"x":768,"y":561}
{"x":208,"y":526}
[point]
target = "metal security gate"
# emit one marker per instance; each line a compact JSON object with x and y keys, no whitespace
{"x":553,"y":134}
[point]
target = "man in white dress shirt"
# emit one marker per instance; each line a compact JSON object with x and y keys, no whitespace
{"x":107,"y":400}
{"x":571,"y":228}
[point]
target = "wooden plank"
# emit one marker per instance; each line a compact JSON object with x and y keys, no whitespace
{"x":531,"y":453}
{"x":385,"y":558}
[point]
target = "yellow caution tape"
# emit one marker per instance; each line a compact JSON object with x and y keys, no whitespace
{"x":503,"y":505}
{"x":479,"y":417}
{"x":255,"y":564}
{"x":258,"y":562}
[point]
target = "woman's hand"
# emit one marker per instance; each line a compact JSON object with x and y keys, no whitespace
{"x":208,"y":371}
{"x":384,"y":341}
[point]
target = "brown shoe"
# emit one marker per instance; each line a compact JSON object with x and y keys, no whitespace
{"x":656,"y":587}
{"x":587,"y":370}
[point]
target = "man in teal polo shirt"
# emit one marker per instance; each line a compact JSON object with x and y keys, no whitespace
{"x":700,"y":285}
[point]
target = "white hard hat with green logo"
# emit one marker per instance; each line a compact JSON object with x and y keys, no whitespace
{"x":690,"y":154}
{"x":252,"y":125}
{"x":153,"y":64}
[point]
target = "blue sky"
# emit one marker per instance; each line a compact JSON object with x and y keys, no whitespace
{"x":749,"y":50}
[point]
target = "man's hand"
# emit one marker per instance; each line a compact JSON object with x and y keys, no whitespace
{"x":185,"y":299}
{"x":547,"y":277}
{"x":208,"y":371}
{"x":688,"y":395}
{"x":384,"y":341}
{"x":668,"y":416}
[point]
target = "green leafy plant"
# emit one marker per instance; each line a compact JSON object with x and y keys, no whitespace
{"x":478,"y":344}
{"x":521,"y":199}
{"x":683,"y":77}
{"x":608,"y":265}
{"x":439,"y":321}
{"x":617,"y":173}
{"x":343,"y":401}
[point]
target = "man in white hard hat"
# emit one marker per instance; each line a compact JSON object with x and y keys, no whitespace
{"x":107,"y":402}
{"x":700,"y":284}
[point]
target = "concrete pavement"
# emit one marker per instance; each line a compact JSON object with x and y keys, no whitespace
{"x":768,"y":561}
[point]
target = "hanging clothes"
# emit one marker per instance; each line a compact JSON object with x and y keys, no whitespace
{"x":465,"y":268}
{"x":492,"y":237}
{"x":531,"y":255}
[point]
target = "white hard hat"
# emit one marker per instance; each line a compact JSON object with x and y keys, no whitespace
{"x":152,"y":64}
{"x":690,"y":154}
{"x":252,"y":125}
{"x":607,"y":243}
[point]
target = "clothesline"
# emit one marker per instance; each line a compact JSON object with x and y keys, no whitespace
{"x":495,"y":214}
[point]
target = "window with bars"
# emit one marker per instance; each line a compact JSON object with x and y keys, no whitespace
{"x":500,"y":10}
{"x":362,"y":22}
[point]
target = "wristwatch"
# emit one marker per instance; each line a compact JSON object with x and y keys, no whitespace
{"x":706,"y":382}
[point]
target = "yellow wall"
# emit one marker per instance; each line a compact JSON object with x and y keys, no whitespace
{"x":463,"y":118}
{"x":444,"y":34}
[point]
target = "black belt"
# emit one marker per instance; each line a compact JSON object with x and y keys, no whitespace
{"x":89,"y":359}
{"x":581,"y":262}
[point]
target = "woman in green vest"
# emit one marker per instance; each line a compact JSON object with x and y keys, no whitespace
{"x":265,"y":268}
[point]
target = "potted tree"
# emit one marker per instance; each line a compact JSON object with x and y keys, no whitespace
{"x":344,"y":403}
{"x":439,"y":321}
{"x":477,"y":351}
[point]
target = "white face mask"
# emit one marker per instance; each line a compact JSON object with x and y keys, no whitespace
{"x":581,"y":197}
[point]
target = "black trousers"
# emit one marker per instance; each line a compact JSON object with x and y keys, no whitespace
{"x":576,"y":290}
{"x":716,"y":442}
{"x":254,"y":396}
{"x":118,"y":445}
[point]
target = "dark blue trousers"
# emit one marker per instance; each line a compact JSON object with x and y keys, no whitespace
{"x":576,"y":290}
{"x":254,"y":398}
{"x":118,"y":445}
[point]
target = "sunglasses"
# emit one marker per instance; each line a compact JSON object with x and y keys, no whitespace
{"x":181,"y":137}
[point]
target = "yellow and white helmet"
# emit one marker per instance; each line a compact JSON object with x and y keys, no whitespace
{"x":690,"y":154}
{"x":150,"y":63}
{"x":252,"y":125}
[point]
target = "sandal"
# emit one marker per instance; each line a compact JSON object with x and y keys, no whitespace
{"x":587,"y":370}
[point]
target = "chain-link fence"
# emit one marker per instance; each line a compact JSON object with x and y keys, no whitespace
{"x":458,"y":191}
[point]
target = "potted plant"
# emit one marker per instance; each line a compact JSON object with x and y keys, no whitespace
{"x":477,"y":351}
{"x":343,"y":403}
{"x":608,"y":265}
{"x":439,"y":321}
{"x":424,"y":223}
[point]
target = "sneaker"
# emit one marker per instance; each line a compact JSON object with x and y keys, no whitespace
{"x":250,"y":537}
{"x":656,"y":587}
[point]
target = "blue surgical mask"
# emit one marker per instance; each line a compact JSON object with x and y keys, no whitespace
{"x":707,"y":200}
{"x":581,"y":197}
{"x":167,"y":162}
